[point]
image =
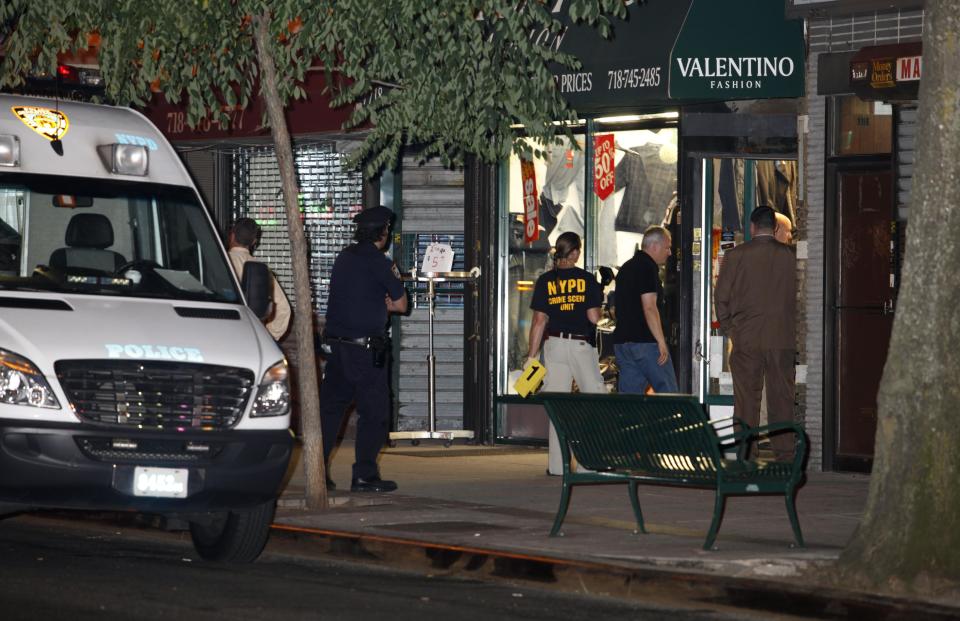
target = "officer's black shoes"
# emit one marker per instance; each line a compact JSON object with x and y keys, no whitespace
{"x":373,"y":484}
{"x":331,"y":485}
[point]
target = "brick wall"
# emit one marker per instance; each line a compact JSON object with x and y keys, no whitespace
{"x":811,"y":231}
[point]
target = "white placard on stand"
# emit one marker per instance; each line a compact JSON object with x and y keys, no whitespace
{"x":438,"y":258}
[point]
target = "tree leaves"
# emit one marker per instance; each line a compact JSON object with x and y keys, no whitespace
{"x":465,"y":76}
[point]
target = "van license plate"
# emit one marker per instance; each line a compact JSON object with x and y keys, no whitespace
{"x":160,"y":482}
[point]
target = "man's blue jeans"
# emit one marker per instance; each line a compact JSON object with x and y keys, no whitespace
{"x":638,"y":367}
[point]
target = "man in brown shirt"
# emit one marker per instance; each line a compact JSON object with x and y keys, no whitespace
{"x":756,"y":306}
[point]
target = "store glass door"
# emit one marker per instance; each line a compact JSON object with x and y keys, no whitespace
{"x":728,"y":190}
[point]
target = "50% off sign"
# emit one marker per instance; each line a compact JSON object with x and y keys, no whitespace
{"x":604,"y":180}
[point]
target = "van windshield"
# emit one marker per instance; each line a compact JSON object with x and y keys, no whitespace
{"x":114,"y":238}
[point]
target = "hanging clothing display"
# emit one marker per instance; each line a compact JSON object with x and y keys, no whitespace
{"x":564,"y":168}
{"x":777,"y":186}
{"x":649,"y":182}
{"x":730,"y":193}
{"x":562,"y":193}
{"x":606,"y":222}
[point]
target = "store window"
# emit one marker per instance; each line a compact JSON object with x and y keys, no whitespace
{"x":559,"y":181}
{"x":642,"y":191}
{"x":645,"y":191}
{"x":861,"y":127}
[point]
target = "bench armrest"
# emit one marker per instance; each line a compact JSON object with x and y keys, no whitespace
{"x":735,"y":420}
{"x":762,"y":431}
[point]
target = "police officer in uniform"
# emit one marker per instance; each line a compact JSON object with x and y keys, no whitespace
{"x":365,"y":287}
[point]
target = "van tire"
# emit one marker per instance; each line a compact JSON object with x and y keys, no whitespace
{"x":234,"y":536}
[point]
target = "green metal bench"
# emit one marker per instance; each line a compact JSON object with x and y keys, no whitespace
{"x":668,"y":440}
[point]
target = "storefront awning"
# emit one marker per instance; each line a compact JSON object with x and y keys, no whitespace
{"x":311,"y":115}
{"x":887,"y":72}
{"x":673,"y":51}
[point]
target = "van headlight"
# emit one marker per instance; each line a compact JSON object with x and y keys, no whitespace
{"x":273,"y":394}
{"x":22,"y":383}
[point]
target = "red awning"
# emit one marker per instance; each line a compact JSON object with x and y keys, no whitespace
{"x":312,"y":115}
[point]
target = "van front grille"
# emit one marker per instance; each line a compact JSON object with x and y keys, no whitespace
{"x":156,"y":395}
{"x":166,"y":451}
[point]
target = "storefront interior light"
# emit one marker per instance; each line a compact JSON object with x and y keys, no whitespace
{"x":9,"y":150}
{"x":624,"y":118}
{"x":577,"y":123}
{"x":125,"y":159}
{"x":629,"y":118}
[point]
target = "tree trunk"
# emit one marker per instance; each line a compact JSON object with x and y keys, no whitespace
{"x":909,"y":537}
{"x":306,"y":376}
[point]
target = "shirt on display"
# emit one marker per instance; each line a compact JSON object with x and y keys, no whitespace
{"x":650,"y":183}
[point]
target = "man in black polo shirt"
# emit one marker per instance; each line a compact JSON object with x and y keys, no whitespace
{"x":365,"y":287}
{"x":639,"y":344}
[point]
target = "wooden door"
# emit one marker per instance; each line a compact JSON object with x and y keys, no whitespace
{"x":864,"y":310}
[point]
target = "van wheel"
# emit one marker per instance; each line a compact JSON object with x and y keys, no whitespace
{"x":234,"y":536}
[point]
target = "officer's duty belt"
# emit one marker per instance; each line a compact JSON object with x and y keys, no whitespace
{"x":363,"y":341}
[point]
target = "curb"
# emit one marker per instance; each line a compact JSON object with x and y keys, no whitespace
{"x":611,"y":580}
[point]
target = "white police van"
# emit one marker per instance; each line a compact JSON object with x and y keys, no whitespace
{"x":133,"y":376}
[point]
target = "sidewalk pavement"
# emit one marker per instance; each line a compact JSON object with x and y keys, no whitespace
{"x":463,"y":505}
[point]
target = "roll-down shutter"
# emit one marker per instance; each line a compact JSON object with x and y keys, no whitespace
{"x":432,"y":208}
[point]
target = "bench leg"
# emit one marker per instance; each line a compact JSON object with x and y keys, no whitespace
{"x":562,"y":511}
{"x":715,"y":524}
{"x":792,"y":513}
{"x":635,"y":501}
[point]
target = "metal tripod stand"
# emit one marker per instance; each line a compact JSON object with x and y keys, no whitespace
{"x":431,"y":278}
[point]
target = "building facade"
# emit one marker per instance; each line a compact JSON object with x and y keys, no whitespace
{"x":703,"y":111}
{"x":863,"y":70}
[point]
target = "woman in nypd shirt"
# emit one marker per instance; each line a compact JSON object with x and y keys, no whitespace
{"x":566,"y":307}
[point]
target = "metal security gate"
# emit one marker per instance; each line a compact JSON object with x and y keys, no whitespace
{"x":329,"y":197}
{"x":432,"y":210}
{"x":209,"y":168}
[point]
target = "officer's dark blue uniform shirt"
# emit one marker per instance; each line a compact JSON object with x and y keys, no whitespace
{"x":362,"y":275}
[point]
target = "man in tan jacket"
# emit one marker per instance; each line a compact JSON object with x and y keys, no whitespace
{"x":242,"y":239}
{"x":756,"y":306}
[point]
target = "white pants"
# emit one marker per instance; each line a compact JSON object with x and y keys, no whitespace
{"x":569,"y":360}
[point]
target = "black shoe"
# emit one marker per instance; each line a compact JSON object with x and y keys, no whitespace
{"x":331,"y":486}
{"x":373,"y":484}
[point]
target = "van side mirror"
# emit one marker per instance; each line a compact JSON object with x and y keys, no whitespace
{"x":257,"y":287}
